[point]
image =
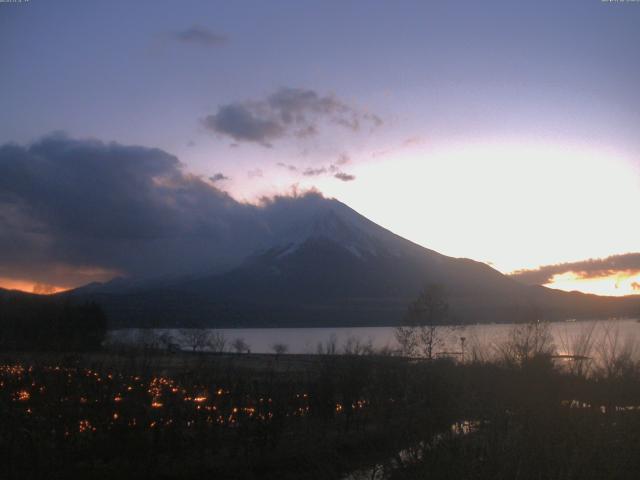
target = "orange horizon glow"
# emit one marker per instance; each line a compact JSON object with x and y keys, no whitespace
{"x":617,"y":284}
{"x":61,"y":277}
{"x":31,"y":287}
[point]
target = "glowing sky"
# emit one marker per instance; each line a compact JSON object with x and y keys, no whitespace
{"x":617,"y":284}
{"x":507,"y":132}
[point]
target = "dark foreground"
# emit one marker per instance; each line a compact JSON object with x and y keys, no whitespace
{"x":142,"y":415}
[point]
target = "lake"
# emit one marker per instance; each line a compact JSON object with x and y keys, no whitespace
{"x":618,"y":333}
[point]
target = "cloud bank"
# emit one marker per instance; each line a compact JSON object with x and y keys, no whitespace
{"x":72,"y":211}
{"x":345,"y":177}
{"x":592,"y":268}
{"x":218,"y":177}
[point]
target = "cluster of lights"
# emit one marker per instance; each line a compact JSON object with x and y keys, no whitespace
{"x":22,"y":395}
{"x":85,"y":426}
{"x":112,"y":393}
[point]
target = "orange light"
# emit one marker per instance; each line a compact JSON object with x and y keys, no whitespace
{"x":23,"y":396}
{"x":85,"y":426}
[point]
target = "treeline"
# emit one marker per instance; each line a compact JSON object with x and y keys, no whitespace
{"x":48,"y":324}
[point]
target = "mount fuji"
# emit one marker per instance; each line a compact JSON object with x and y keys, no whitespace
{"x":320,"y":263}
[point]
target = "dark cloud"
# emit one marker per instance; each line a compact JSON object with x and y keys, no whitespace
{"x":198,"y":35}
{"x":75,"y":185}
{"x":76,"y":210}
{"x":291,"y":168}
{"x":242,"y":124}
{"x":314,"y":172}
{"x":287,"y":112}
{"x":592,"y":268}
{"x":345,"y":177}
{"x":218,"y":177}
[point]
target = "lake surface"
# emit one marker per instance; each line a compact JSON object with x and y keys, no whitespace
{"x":622,"y":333}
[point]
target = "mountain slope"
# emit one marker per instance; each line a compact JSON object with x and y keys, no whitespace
{"x":326,"y":265}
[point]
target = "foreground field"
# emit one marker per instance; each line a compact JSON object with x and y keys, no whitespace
{"x":144,"y":415}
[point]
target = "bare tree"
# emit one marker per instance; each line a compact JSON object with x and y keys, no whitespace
{"x":217,"y":342}
{"x":578,"y":349}
{"x":166,"y":340}
{"x":196,"y":338}
{"x":407,"y":338}
{"x":419,"y":334}
{"x":478,"y":350}
{"x":526,"y":342}
{"x":615,"y":353}
{"x":330,"y":347}
{"x":280,"y":348}
{"x":355,"y":346}
{"x":239,"y":345}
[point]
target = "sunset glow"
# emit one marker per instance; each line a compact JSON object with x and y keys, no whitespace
{"x":513,"y":204}
{"x":30,"y":287}
{"x":616,"y":284}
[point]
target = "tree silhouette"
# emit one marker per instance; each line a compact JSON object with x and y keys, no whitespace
{"x":239,"y":345}
{"x":419,"y":334}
